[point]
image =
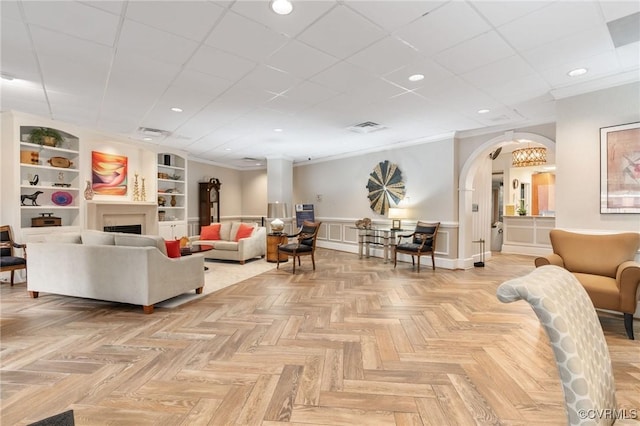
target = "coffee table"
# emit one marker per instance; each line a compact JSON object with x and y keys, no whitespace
{"x":195,"y":249}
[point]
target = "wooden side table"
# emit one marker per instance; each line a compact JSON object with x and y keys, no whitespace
{"x":272,"y":247}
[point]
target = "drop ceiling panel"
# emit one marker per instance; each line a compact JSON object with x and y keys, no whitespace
{"x":111,"y":6}
{"x":300,"y":60}
{"x":268,"y":79}
{"x":225,"y":65}
{"x":474,"y":53}
{"x":341,"y":33}
{"x":502,"y":12}
{"x":598,"y":66}
{"x":491,"y":75}
{"x":23,"y":96}
{"x":550,"y":23}
{"x":404,"y":12}
{"x":74,"y":108}
{"x":18,"y":59}
{"x":189,"y":19}
{"x":613,"y":10}
{"x":73,"y":18}
{"x":161,"y":116}
{"x":443,"y":28}
{"x":144,"y":41}
{"x":241,"y":36}
{"x":384,"y":56}
{"x":433,"y":74}
{"x":578,"y":46}
{"x":305,"y":13}
{"x":194,"y":81}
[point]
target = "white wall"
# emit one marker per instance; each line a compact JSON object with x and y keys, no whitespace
{"x":427,"y":171}
{"x":578,"y":157}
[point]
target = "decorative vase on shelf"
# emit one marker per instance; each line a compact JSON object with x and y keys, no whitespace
{"x":88,"y":191}
{"x":173,"y":201}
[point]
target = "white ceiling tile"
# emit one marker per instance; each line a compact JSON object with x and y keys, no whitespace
{"x":578,"y":46}
{"x":200,"y":82}
{"x":490,"y":75}
{"x":111,"y":6}
{"x":189,"y":19}
{"x":501,"y":12}
{"x":18,"y":59}
{"x":9,"y":10}
{"x":433,"y":74}
{"x":457,"y":94}
{"x":23,"y":96}
{"x":210,"y":60}
{"x":341,"y":33}
{"x":443,"y":28}
{"x":142,"y":40}
{"x":300,"y":60}
{"x":613,"y":10}
{"x":74,"y":19}
{"x":474,"y":53}
{"x":268,"y":79}
{"x":300,"y":97}
{"x":598,"y":66}
{"x":514,"y":90}
{"x":385,"y":56}
{"x":304,"y":14}
{"x":550,"y":23}
{"x":404,"y":12}
{"x":344,"y":77}
{"x":238,"y":35}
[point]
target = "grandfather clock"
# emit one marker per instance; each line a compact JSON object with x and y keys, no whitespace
{"x":209,"y":201}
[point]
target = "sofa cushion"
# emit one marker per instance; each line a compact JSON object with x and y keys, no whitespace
{"x":133,"y":240}
{"x":225,"y":231}
{"x":173,"y":248}
{"x":226,"y":245}
{"x":92,"y":237}
{"x":64,"y":237}
{"x":244,"y":231}
{"x":210,"y":232}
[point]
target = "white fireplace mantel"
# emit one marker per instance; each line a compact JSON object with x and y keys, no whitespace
{"x":110,"y":213}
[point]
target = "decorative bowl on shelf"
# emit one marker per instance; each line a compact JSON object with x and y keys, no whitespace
{"x":61,"y":198}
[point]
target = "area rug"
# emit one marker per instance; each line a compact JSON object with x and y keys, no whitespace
{"x":220,"y":274}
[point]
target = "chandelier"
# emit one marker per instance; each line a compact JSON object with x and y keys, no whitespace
{"x":531,"y":156}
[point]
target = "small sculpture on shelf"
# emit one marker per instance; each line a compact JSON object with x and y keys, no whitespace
{"x":162,"y":201}
{"x":136,"y":188}
{"x":363,"y":223}
{"x":33,"y":197}
{"x":88,"y":191}
{"x":61,"y":181}
{"x":143,"y":192}
{"x":33,"y":180}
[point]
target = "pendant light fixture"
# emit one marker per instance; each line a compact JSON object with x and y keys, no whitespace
{"x":530,"y":156}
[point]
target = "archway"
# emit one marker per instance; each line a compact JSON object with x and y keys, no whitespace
{"x":465,"y":187}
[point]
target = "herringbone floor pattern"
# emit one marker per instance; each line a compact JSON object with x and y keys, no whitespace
{"x":353,"y":343}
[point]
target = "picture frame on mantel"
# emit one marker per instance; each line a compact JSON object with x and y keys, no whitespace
{"x":620,"y":168}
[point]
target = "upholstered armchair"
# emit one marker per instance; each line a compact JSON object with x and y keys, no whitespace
{"x":604,"y":265}
{"x":421,"y":242}
{"x":579,"y":347}
{"x":8,"y":259}
{"x":304,"y":246}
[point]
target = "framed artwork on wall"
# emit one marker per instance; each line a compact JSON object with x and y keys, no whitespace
{"x":108,"y":173}
{"x":620,"y":168}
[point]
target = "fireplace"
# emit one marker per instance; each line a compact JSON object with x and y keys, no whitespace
{"x":125,"y":229}
{"x":104,"y":214}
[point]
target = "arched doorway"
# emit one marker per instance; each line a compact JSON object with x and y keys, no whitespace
{"x":476,"y":162}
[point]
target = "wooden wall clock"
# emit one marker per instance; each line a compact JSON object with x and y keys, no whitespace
{"x":385,"y":184}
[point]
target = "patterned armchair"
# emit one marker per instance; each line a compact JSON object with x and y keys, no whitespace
{"x":571,"y":323}
{"x":421,"y":243}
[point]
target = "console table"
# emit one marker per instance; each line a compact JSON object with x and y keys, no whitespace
{"x":374,"y":236}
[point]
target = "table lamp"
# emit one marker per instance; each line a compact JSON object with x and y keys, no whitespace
{"x":277,"y":211}
{"x":395,"y":214}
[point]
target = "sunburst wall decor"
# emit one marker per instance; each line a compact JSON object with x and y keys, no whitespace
{"x":385,"y":184}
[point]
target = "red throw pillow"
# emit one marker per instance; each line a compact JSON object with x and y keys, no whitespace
{"x":244,"y":231}
{"x":211,"y":232}
{"x":173,"y":248}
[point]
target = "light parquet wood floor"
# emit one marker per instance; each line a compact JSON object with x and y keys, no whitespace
{"x":353,"y":343}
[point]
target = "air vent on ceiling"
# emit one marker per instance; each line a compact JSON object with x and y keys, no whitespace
{"x":366,"y":127}
{"x":625,"y":30}
{"x":251,"y":159}
{"x":148,"y":131}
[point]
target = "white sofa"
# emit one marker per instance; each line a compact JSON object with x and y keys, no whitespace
{"x":227,"y":248}
{"x":114,"y":267}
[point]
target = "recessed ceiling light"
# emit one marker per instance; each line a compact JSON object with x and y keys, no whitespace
{"x":577,"y":72}
{"x":416,"y":77}
{"x":483,"y":111}
{"x":281,"y":7}
{"x":147,"y":139}
{"x":227,"y":149}
{"x":277,"y":130}
{"x":176,"y":109}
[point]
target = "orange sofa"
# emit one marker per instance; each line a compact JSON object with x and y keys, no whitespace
{"x":604,"y":265}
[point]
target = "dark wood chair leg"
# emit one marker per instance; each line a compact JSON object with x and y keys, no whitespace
{"x":628,"y":325}
{"x":12,"y":278}
{"x":395,"y":259}
{"x":147,"y":309}
{"x":433,"y":261}
{"x":34,"y":294}
{"x":313,"y":261}
{"x":294,"y":263}
{"x":419,"y":262}
{"x":278,"y":260}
